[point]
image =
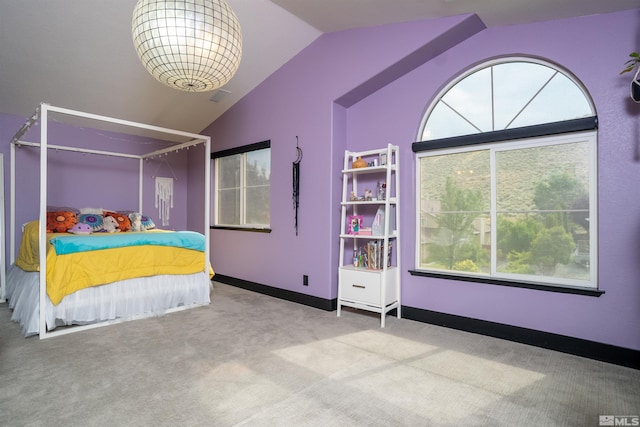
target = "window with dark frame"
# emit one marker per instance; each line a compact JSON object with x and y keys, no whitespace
{"x":506,"y":179}
{"x":242,"y":187}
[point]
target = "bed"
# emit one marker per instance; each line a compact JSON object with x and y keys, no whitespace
{"x":105,"y":277}
{"x":95,"y":279}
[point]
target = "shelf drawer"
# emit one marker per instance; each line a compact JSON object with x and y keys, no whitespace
{"x":364,"y":286}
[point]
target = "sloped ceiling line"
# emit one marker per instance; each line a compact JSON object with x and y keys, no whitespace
{"x":451,"y":37}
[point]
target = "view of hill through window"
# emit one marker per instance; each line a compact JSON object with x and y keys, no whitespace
{"x":537,"y":190}
{"x":518,"y":209}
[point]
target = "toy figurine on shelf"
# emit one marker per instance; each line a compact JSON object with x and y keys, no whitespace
{"x":359,"y":163}
{"x":382,"y":187}
{"x":353,"y":197}
{"x":367,"y":195}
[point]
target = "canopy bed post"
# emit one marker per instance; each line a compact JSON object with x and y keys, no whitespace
{"x":140,"y":178}
{"x":12,"y":203}
{"x":12,"y":184}
{"x":207,"y":195}
{"x":3,"y":270}
{"x":44,"y":121}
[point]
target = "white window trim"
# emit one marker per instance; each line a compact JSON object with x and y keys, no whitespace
{"x":591,"y":138}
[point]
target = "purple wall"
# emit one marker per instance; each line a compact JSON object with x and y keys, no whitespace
{"x":394,"y":113}
{"x":298,"y":100}
{"x":364,"y":88}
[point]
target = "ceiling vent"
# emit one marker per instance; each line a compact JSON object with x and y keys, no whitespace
{"x":219,"y":95}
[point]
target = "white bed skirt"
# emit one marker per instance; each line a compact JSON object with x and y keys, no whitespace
{"x":130,"y":298}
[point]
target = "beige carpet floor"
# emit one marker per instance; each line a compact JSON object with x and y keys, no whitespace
{"x":253,"y":360}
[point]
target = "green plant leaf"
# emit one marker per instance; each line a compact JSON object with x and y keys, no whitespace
{"x":631,"y":63}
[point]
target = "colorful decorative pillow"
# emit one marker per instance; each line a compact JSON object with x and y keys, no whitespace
{"x":61,"y":222}
{"x":124,"y":224}
{"x":147,"y":222}
{"x":96,"y":222}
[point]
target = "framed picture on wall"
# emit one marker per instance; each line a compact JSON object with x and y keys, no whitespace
{"x":355,"y":224}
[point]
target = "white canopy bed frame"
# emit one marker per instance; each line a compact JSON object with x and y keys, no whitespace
{"x":41,"y":116}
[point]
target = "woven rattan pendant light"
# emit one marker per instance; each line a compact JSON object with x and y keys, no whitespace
{"x":190,"y":45}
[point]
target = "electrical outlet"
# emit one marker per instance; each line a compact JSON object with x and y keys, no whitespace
{"x":305,"y":280}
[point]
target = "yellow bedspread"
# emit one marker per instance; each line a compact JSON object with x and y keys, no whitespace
{"x":28,"y":254}
{"x":72,"y":272}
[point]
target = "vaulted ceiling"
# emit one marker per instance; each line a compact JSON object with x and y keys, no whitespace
{"x":79,"y":54}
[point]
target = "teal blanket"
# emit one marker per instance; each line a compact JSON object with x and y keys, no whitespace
{"x":70,"y":244}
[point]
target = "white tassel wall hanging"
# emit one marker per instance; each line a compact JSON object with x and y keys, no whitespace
{"x":164,"y":198}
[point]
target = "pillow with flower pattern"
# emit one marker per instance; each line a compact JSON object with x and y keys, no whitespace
{"x":61,"y":221}
{"x":96,"y":222}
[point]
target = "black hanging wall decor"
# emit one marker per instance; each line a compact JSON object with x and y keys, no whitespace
{"x":296,"y":183}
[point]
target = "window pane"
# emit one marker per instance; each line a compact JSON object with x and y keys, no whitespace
{"x":257,"y":195}
{"x":258,"y":205}
{"x":243,"y":188}
{"x":542,"y":203}
{"x":229,"y":171}
{"x":470,"y":97}
{"x":454,"y":212}
{"x":229,"y":207}
{"x":444,"y":122}
{"x":258,"y":167}
{"x":506,"y":96}
{"x":560,"y":100}
{"x":515,"y":85}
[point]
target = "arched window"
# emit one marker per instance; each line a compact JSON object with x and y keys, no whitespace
{"x":506,"y":178}
{"x":506,"y":95}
